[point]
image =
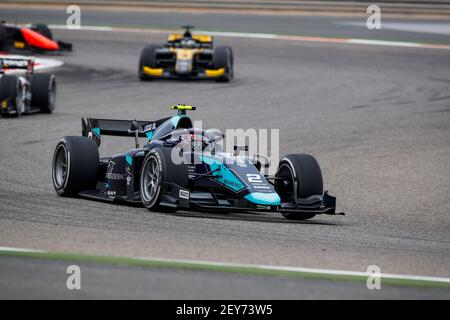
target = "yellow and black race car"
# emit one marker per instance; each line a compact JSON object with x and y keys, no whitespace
{"x":186,"y":56}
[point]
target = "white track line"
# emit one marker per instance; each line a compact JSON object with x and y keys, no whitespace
{"x":87,"y":28}
{"x":385,"y":43}
{"x":305,"y":270}
{"x":13,"y":249}
{"x":268,"y":36}
{"x":267,"y":267}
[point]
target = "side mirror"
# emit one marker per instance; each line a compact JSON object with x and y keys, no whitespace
{"x":238,"y":148}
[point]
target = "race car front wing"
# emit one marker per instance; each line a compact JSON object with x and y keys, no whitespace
{"x":166,"y":73}
{"x":210,"y":202}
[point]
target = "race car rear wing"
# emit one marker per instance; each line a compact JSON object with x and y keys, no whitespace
{"x":95,"y":128}
{"x":199,"y":37}
{"x":17,"y":63}
{"x":205,"y":41}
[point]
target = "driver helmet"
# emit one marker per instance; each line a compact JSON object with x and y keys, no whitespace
{"x":188,"y":43}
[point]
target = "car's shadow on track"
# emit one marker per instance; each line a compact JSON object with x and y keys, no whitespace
{"x":256,"y":217}
{"x":192,"y":81}
{"x":271,"y":217}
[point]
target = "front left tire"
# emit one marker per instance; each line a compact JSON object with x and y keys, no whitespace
{"x":153,"y":172}
{"x":151,"y":179}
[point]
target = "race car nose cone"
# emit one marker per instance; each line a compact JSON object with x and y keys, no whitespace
{"x":37,"y":40}
{"x":264,"y":199}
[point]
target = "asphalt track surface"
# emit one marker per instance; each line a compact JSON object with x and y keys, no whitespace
{"x":376,"y":118}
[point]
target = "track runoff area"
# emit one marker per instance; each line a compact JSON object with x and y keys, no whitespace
{"x":268,"y":36}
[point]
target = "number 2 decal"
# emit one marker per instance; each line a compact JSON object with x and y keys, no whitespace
{"x":254,"y":178}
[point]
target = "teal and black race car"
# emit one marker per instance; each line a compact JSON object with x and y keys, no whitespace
{"x":183,"y":168}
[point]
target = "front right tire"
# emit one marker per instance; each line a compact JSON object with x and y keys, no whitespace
{"x":302,"y":178}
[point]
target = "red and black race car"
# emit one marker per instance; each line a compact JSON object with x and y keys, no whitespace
{"x":36,"y":38}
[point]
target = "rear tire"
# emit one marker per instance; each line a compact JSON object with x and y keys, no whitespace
{"x":11,"y":88}
{"x":304,"y":179}
{"x":147,"y":59}
{"x":43,"y":92}
{"x":75,"y":165}
{"x":44,"y":30}
{"x":223,"y":58}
